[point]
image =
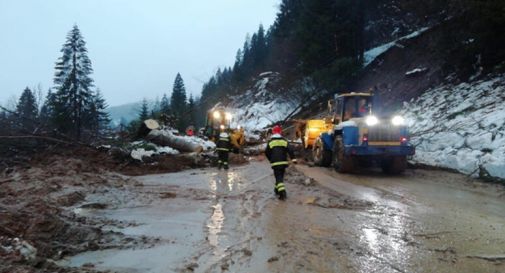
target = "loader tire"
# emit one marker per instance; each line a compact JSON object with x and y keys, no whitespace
{"x":321,"y":156}
{"x":341,"y":162}
{"x":394,"y":165}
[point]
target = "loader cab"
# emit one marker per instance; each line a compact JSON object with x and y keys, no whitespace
{"x":217,"y":120}
{"x":352,"y":105}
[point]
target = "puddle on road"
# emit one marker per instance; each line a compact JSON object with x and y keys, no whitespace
{"x":194,"y":222}
{"x":231,"y":222}
{"x":178,"y":226}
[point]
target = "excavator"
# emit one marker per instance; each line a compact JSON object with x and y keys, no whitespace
{"x":219,"y":120}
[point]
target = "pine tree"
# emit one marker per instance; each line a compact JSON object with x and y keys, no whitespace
{"x":46,"y":111}
{"x":192,"y":111}
{"x":73,"y":97}
{"x":27,"y":110}
{"x":165,"y":105}
{"x":261,"y":50}
{"x":144,"y":111}
{"x":178,"y":103}
{"x":98,"y":118}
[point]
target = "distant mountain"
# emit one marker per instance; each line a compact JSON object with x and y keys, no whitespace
{"x":128,"y":112}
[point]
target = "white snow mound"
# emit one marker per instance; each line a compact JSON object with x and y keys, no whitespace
{"x":461,"y":127}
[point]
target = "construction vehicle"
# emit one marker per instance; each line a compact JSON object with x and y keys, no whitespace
{"x":218,"y":120}
{"x":359,"y":138}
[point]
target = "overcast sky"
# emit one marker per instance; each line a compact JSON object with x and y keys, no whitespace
{"x":136,"y":46}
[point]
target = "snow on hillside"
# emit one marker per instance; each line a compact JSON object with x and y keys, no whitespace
{"x":373,"y":53}
{"x":260,"y":107}
{"x":461,"y":127}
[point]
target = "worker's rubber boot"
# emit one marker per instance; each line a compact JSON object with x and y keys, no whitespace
{"x":219,"y":165}
{"x":282,"y":195}
{"x":280,"y":190}
{"x":226,"y":167}
{"x":276,"y":191}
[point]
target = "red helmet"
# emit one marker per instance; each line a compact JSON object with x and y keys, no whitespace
{"x":277,"y":130}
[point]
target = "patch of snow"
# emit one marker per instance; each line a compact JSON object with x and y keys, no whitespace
{"x":169,"y":132}
{"x":206,"y":144}
{"x":139,"y":153}
{"x":415,"y":71}
{"x":266,"y":74}
{"x":373,"y":53}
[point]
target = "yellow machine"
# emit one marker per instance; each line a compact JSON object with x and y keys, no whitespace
{"x":218,"y":120}
{"x":313,"y":129}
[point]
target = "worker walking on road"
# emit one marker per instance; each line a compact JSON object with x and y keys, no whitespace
{"x":277,"y":152}
{"x":223,"y":148}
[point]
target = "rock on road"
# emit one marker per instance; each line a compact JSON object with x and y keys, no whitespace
{"x":218,"y":221}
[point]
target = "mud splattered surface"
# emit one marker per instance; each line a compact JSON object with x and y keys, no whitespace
{"x":72,"y":216}
{"x":216,"y":221}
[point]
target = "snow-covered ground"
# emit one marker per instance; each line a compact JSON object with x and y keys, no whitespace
{"x":461,"y":127}
{"x":373,"y":53}
{"x":260,"y":107}
{"x":142,"y":149}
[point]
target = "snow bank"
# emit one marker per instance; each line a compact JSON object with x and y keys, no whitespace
{"x":373,"y":53}
{"x":461,"y":127}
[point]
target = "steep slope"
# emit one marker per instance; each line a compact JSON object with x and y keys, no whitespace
{"x":264,"y":103}
{"x":388,"y":20}
{"x":406,"y":68}
{"x":461,"y":127}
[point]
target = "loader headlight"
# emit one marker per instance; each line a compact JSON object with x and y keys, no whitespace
{"x":228,"y":116}
{"x":217,"y":115}
{"x":398,"y":121}
{"x":371,"y":120}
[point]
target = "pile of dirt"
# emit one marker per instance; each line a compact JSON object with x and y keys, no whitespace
{"x":97,"y":159}
{"x":36,"y":224}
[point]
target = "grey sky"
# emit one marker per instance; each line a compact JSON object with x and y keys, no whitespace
{"x":136,"y":46}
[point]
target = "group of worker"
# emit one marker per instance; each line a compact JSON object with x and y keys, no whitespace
{"x":277,"y":152}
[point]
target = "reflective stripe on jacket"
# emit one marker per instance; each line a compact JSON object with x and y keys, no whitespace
{"x":223,"y":144}
{"x":277,"y":151}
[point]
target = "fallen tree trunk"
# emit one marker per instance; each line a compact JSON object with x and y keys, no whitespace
{"x":164,"y":138}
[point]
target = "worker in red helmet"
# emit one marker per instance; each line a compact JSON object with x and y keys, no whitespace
{"x":277,"y":152}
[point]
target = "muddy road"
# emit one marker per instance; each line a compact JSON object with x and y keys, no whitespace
{"x":230,"y":221}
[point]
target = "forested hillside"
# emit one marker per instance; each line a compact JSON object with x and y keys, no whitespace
{"x":324,"y":43}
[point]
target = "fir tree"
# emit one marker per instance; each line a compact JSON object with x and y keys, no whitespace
{"x":46,"y":111}
{"x":73,"y":97}
{"x":165,"y":105}
{"x":99,"y":119}
{"x":192,"y":111}
{"x":144,"y":111}
{"x":27,"y":110}
{"x":178,"y":103}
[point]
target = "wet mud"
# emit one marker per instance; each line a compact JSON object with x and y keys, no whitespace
{"x":206,"y":220}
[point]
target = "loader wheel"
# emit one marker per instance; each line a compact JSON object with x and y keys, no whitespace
{"x":342,"y":163}
{"x":394,"y":165}
{"x":321,"y":156}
